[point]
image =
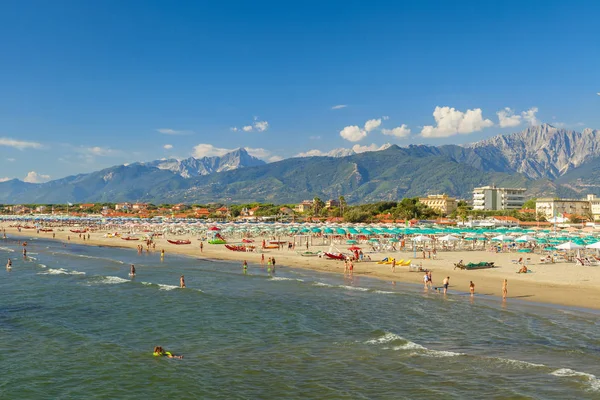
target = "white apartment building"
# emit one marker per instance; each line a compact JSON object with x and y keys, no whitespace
{"x":558,"y":207}
{"x":495,"y":198}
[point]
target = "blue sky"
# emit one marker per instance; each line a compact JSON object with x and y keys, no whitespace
{"x":87,"y":85}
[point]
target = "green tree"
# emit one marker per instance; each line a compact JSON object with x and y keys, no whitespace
{"x":342,"y":201}
{"x":529,"y":204}
{"x":318,"y":205}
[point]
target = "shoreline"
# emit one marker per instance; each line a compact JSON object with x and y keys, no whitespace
{"x":563,"y":284}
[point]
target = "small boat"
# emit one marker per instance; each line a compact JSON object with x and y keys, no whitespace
{"x":239,"y":248}
{"x":335,"y":256}
{"x":309,"y":253}
{"x":277,"y":242}
{"x":179,"y":241}
{"x":130,"y":238}
{"x":247,"y":241}
{"x":79,"y":230}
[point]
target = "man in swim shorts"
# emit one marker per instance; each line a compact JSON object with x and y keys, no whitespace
{"x":445,"y":283}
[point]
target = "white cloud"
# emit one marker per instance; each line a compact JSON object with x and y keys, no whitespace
{"x":258,"y":152}
{"x":530,"y":117}
{"x":247,"y":128}
{"x":168,"y":146}
{"x":385,"y":117}
{"x":168,"y":131}
{"x":11,"y":159}
{"x":372,"y":124}
{"x":311,"y":153}
{"x":507,"y":118}
{"x":598,"y":93}
{"x":559,"y":124}
{"x":275,"y":159}
{"x":261,"y":126}
{"x":34,"y":177}
{"x":208,"y":150}
{"x":399,"y":132}
{"x":19,"y":144}
{"x":580,"y":124}
{"x":5,"y":179}
{"x":357,"y":148}
{"x":101,"y":151}
{"x":353,"y":133}
{"x":233,"y":129}
{"x":339,"y":106}
{"x":450,"y":122}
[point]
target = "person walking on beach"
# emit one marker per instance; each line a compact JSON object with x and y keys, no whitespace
{"x":504,"y":289}
{"x":394,"y":265}
{"x":445,"y":283}
{"x":201,"y":247}
{"x":472,"y":288}
{"x":182,"y":282}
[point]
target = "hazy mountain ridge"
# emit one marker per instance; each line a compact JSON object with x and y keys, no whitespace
{"x":533,"y":158}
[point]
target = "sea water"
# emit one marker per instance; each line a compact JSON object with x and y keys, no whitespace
{"x":73,"y":324}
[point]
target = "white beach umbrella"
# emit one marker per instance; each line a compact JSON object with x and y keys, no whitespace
{"x":502,"y":238}
{"x":569,"y":246}
{"x":525,"y":238}
{"x":448,"y":238}
{"x":421,"y":238}
{"x":593,"y":246}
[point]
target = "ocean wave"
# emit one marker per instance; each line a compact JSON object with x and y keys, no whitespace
{"x":518,"y":363}
{"x":592,"y":380}
{"x":322,"y":284}
{"x":112,"y":280}
{"x":280,"y":278}
{"x":42,"y":265}
{"x":99,"y":258}
{"x":59,"y":271}
{"x":7,"y":249}
{"x":403,"y":344}
{"x":166,"y":287}
{"x":383,"y":292}
{"x":358,"y":288}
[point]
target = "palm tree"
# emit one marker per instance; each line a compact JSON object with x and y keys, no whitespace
{"x":342,"y":201}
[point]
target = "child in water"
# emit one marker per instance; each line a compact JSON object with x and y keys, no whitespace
{"x":159,"y":351}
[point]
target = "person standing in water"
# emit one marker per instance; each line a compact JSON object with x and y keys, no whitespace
{"x":132,"y":270}
{"x":162,"y":254}
{"x":446,"y":283}
{"x":245,"y":266}
{"x":504,"y":289}
{"x":9,"y":265}
{"x":472,"y":288}
{"x":182,"y":282}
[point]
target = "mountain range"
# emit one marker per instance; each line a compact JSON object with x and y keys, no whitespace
{"x":544,"y":159}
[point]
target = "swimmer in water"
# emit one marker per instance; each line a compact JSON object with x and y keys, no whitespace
{"x":9,"y":265}
{"x":132,"y":270}
{"x":182,"y":282}
{"x":160,"y":352}
{"x":245,"y":266}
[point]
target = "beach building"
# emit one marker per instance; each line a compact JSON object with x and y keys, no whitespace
{"x":594,"y":206}
{"x":550,"y":207}
{"x":123,"y":206}
{"x":332,"y":203}
{"x":495,"y":198}
{"x":223,"y":211}
{"x":202,"y":212}
{"x":306,"y":205}
{"x":440,"y":203}
{"x":139,"y":206}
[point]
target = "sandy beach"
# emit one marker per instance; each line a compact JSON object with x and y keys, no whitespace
{"x":560,"y":283}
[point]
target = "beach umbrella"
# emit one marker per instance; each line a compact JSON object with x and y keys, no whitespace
{"x":569,"y":246}
{"x":351,"y":242}
{"x":393,"y":240}
{"x":421,"y":238}
{"x":448,"y":238}
{"x":502,"y":238}
{"x":525,"y":238}
{"x":593,"y":246}
{"x":354,"y":248}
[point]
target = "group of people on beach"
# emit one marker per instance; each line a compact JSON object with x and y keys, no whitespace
{"x":428,"y":284}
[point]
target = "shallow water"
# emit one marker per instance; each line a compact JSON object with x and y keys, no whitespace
{"x":74,"y":325}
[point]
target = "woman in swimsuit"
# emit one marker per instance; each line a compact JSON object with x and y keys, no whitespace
{"x":472,"y":288}
{"x":182,"y":282}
